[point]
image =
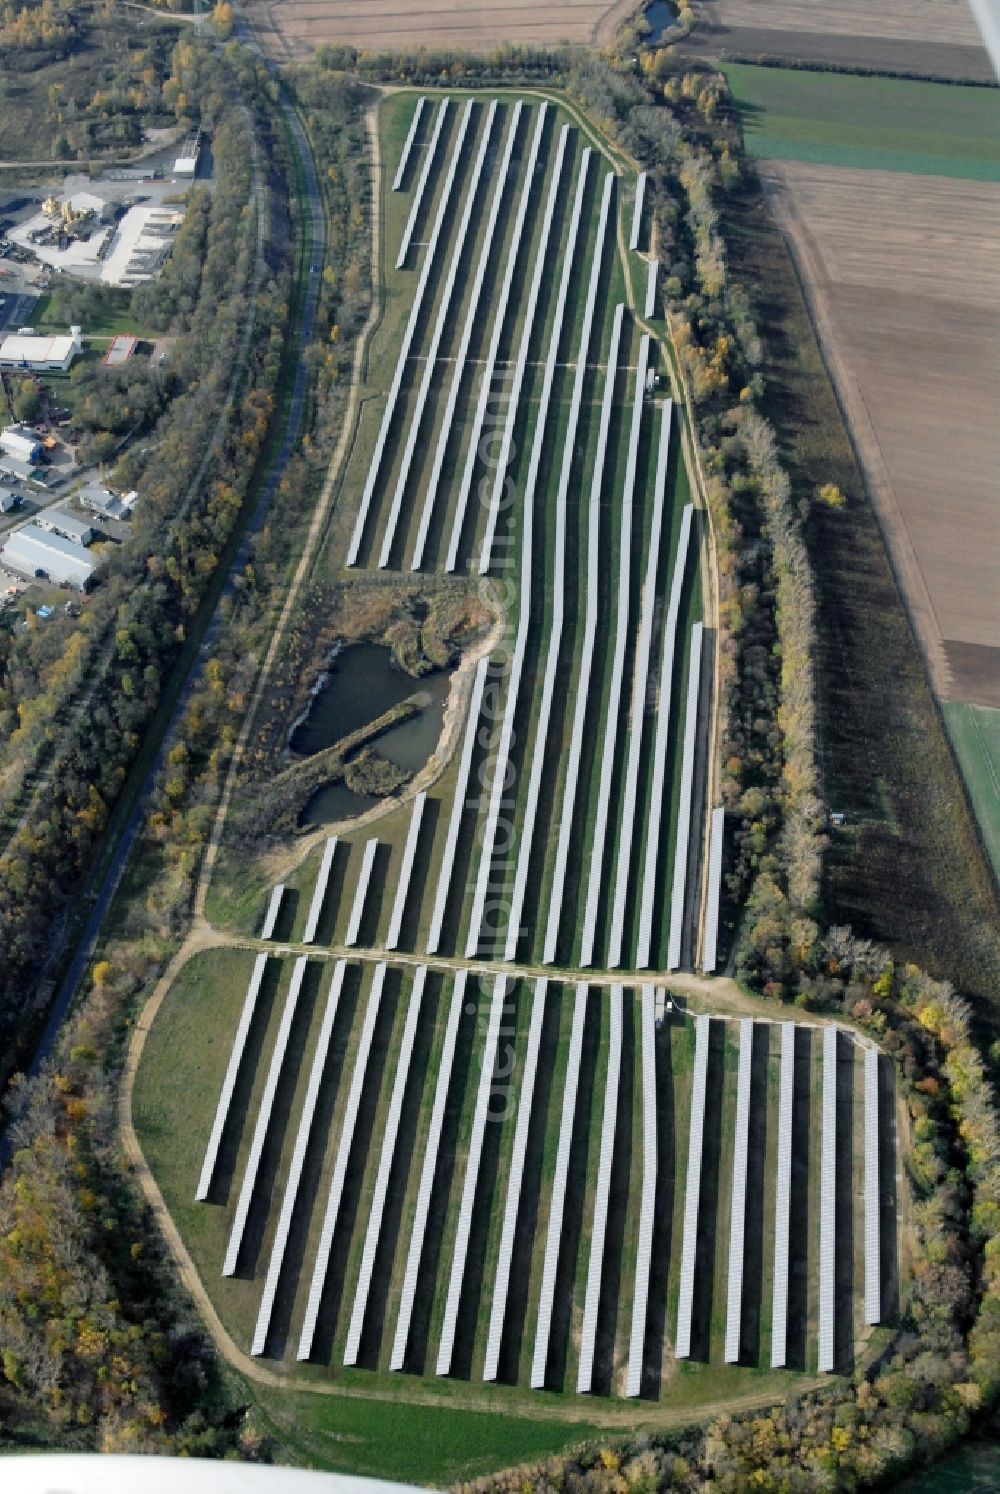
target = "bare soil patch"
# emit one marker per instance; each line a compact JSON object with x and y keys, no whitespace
{"x":938,"y":38}
{"x":903,"y":277}
{"x":293,"y":29}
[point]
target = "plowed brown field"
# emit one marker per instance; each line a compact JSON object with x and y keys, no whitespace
{"x":935,"y":37}
{"x":292,"y":29}
{"x":903,"y":276}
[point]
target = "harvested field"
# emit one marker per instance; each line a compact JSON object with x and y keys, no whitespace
{"x":906,"y":36}
{"x":902,"y":276}
{"x":293,"y":29}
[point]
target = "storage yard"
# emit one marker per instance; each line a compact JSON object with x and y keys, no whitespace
{"x":442,"y":1116}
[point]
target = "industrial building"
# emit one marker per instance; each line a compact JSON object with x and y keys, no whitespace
{"x":21,"y":443}
{"x":34,"y":354}
{"x":14,"y":470}
{"x":32,"y":549}
{"x":58,"y":522}
{"x":101,"y":501}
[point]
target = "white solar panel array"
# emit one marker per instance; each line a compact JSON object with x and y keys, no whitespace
{"x":423,"y":179}
{"x":738,"y":1199}
{"x":427,"y":1170}
{"x":501,"y":1283}
{"x":229,"y":1083}
{"x":506,"y":445}
{"x":678,"y":897}
{"x":457,"y":808}
{"x":446,"y":293}
{"x":710,"y":944}
{"x":602,"y":1196}
{"x":294,"y":1178}
{"x":595,"y":881}
{"x":873,"y":1272}
{"x":463,"y":1229}
{"x":499,"y":780}
{"x":319,"y":891}
{"x":692,"y":1192}
{"x":361,"y":893}
{"x":647,"y":1206}
{"x":783,"y":1198}
{"x":557,"y":1201}
{"x":539,"y":748}
{"x":430,"y":252}
{"x":389,"y":1134}
{"x":471,"y":320}
{"x":602,"y":446}
{"x":405,"y":872}
{"x":640,"y":693}
{"x":273,"y":909}
{"x":828,"y":1206}
{"x":640,"y":198}
{"x":322,"y":1262}
{"x":652,"y":277}
{"x":486,"y":385}
{"x":657,"y":793}
{"x":263,"y":1119}
{"x":411,"y":135}
{"x":576,"y":740}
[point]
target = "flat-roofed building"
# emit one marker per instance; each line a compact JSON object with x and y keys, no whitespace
{"x":32,"y":549}
{"x":57,"y":521}
{"x":13,"y":469}
{"x":34,"y":354}
{"x":8,"y":500}
{"x":101,"y":501}
{"x":20,"y":442}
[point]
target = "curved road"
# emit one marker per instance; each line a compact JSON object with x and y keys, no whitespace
{"x":103,"y":894}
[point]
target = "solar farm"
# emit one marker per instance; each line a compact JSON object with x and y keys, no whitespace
{"x":449,"y":1110}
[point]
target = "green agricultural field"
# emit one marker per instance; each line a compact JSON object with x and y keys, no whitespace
{"x":975,"y":736}
{"x":892,"y":124}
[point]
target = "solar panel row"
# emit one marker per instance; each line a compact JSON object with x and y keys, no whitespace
{"x":423,"y":179}
{"x":657,"y":793}
{"x":321,"y":1265}
{"x":471,"y":320}
{"x":294,"y":1178}
{"x":692,"y":1191}
{"x":682,"y":838}
{"x":388,"y":413}
{"x":647,"y":1206}
{"x":640,"y":695}
{"x":602,"y":1196}
{"x":446,"y":293}
{"x":486,"y":386}
{"x":411,"y":136}
{"x":390,"y":1132}
{"x":595,"y":880}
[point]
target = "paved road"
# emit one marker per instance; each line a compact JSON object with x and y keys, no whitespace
{"x":103,"y":895}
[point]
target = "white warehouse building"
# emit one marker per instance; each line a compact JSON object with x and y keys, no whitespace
{"x":57,"y":521}
{"x":21,"y":443}
{"x":33,"y":354}
{"x":31,"y":549}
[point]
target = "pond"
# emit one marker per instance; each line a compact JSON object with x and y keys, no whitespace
{"x":976,"y":1466}
{"x":362,"y":683}
{"x":659,"y":16}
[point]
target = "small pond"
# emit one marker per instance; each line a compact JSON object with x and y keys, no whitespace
{"x":362,"y":684}
{"x":659,"y":16}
